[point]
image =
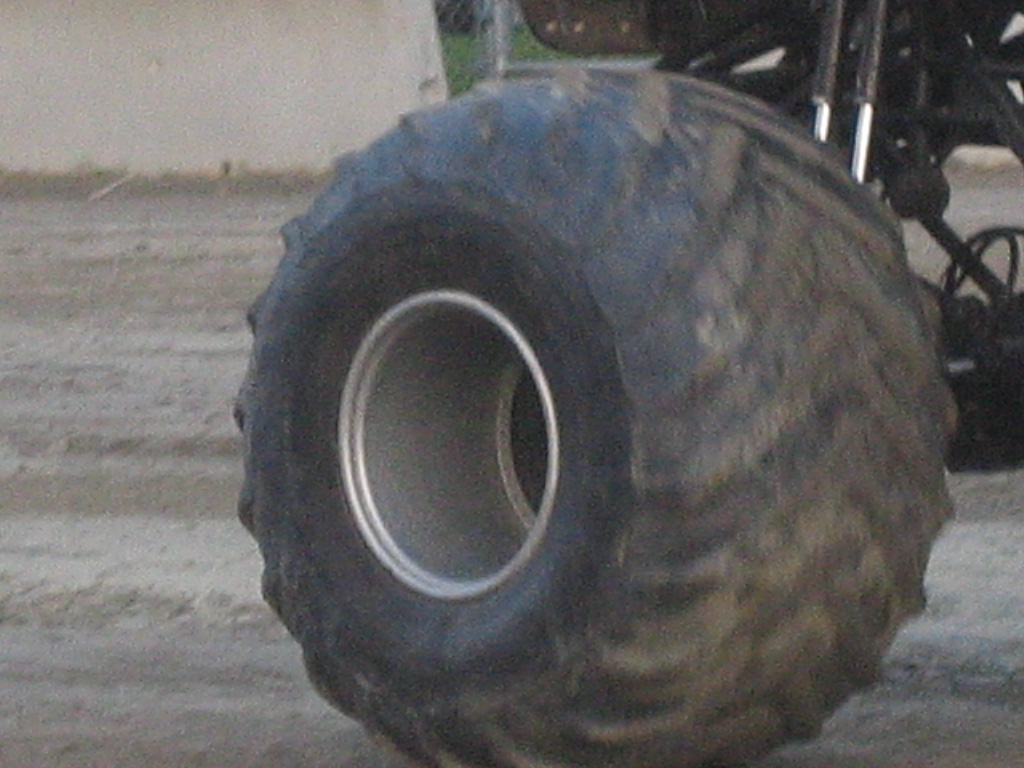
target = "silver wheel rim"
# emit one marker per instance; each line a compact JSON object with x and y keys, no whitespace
{"x":449,"y":445}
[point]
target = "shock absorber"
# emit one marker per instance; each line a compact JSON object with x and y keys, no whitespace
{"x":866,"y":91}
{"x":823,"y":89}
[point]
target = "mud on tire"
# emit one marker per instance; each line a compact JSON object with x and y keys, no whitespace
{"x":593,"y":421}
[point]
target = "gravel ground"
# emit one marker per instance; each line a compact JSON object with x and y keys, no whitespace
{"x":131,"y":629}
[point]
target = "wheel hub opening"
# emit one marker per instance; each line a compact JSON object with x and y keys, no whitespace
{"x":448,"y":444}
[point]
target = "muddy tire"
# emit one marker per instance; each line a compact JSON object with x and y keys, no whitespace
{"x":593,"y":421}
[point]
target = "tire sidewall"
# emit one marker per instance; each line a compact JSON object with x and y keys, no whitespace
{"x":354,"y":272}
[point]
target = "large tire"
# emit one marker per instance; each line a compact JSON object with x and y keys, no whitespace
{"x":593,"y":422}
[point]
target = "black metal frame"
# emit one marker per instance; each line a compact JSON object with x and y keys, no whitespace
{"x":897,"y":85}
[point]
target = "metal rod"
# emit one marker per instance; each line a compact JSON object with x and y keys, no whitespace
{"x":498,"y":37}
{"x":862,"y":142}
{"x":823,"y":89}
{"x":823,"y":121}
{"x":967,"y":260}
{"x":866,"y":94}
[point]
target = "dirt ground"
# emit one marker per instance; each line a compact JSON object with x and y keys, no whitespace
{"x":131,"y":631}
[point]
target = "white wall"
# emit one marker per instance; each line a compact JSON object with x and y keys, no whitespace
{"x":186,"y":85}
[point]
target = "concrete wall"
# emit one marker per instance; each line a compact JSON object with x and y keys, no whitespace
{"x":153,"y":85}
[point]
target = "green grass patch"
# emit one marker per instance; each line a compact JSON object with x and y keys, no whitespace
{"x":463,"y":61}
{"x":465,"y":56}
